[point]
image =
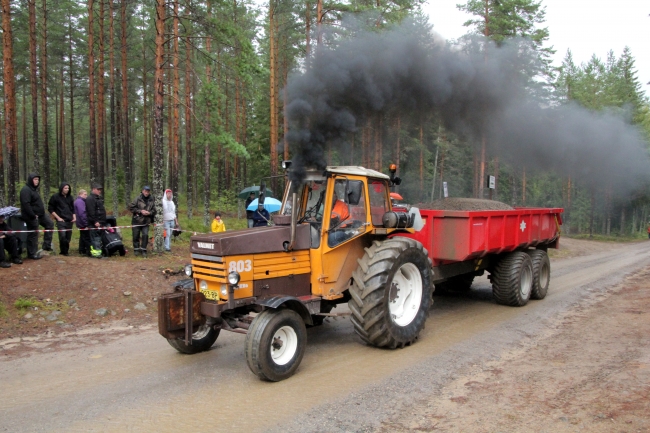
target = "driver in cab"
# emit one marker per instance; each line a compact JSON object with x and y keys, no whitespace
{"x":340,"y":212}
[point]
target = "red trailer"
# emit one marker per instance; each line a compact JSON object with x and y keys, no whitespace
{"x":463,"y":244}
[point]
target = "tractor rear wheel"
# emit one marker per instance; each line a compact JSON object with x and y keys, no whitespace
{"x":512,"y":279}
{"x":202,"y":340}
{"x":275,"y":344}
{"x":391,"y":292}
{"x":541,"y":273}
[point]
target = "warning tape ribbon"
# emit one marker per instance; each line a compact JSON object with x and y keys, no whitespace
{"x":76,"y":228}
{"x":92,"y":228}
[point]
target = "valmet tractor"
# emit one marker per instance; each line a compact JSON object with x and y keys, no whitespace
{"x":336,"y":240}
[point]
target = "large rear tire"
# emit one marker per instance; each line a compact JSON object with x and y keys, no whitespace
{"x":202,"y":340}
{"x":541,"y":273}
{"x":512,"y":279}
{"x":391,"y":293}
{"x":275,"y":344}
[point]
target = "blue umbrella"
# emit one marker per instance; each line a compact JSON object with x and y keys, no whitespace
{"x":270,"y":204}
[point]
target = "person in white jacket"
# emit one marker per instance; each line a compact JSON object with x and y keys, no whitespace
{"x":169,"y":217}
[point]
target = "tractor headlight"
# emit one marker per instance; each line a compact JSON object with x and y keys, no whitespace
{"x":233,"y":278}
{"x":203,"y":285}
{"x":188,"y":270}
{"x":224,"y":291}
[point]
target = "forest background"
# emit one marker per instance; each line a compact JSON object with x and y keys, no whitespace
{"x":191,"y":95}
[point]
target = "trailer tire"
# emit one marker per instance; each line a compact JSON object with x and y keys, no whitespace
{"x":381,"y":316}
{"x":202,"y":340}
{"x":512,"y":279}
{"x":275,"y":344}
{"x":541,"y":273}
{"x":459,"y":284}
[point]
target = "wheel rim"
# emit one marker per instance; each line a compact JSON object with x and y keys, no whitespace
{"x":526,"y":282}
{"x":405,"y":294}
{"x":544,"y":275}
{"x":284,"y":345}
{"x":202,"y":332}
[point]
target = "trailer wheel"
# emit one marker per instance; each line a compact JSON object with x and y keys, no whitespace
{"x":512,"y":279}
{"x":202,"y":340}
{"x":275,"y":344}
{"x":541,"y":273}
{"x":456,"y":285}
{"x":391,"y":293}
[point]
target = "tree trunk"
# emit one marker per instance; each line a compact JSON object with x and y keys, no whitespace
{"x":126,"y":140}
{"x":188,"y":129}
{"x":91,"y":95}
{"x":73,"y":154}
{"x":61,"y":153}
{"x":47,"y":180}
{"x":176,"y":164}
{"x":33,"y":85}
{"x":9,"y":83}
{"x":206,"y":150}
{"x":159,"y":89}
{"x":273,"y":138}
{"x":307,"y":32}
{"x":111,"y":78}
{"x":101,"y":102}
{"x":24,"y":129}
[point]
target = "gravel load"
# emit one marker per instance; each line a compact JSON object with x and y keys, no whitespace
{"x":457,"y":203}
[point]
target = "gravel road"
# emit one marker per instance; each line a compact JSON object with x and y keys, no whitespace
{"x":122,"y":381}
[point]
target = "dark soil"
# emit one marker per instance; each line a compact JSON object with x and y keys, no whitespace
{"x":457,"y":203}
{"x":75,"y":287}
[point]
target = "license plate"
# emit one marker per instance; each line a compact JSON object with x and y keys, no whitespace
{"x":211,"y":294}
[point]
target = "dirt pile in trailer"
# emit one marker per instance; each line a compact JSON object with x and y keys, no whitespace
{"x":457,"y":203}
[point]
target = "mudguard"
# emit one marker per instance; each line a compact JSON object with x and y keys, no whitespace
{"x":290,"y":302}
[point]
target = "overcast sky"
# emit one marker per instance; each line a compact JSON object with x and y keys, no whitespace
{"x":585,"y":27}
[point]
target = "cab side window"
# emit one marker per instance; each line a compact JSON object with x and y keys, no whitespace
{"x":348,"y":213}
{"x":377,"y":190}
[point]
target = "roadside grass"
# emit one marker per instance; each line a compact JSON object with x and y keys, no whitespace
{"x":610,"y":238}
{"x":3,"y":309}
{"x":31,"y":303}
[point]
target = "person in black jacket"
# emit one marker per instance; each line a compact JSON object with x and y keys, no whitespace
{"x":33,"y":213}
{"x":61,"y":207}
{"x":143,"y":214}
{"x":249,"y":213}
{"x":9,"y":242}
{"x":96,"y":213}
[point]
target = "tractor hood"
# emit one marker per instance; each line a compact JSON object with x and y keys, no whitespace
{"x":250,"y":241}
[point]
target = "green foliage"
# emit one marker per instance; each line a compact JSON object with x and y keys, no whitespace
{"x":3,"y":309}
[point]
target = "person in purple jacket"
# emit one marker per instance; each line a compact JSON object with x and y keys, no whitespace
{"x":82,"y":222}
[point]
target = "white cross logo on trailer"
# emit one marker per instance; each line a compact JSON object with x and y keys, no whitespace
{"x":522,"y":226}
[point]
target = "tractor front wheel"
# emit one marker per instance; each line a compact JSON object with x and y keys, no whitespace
{"x":202,"y":340}
{"x":275,"y":344}
{"x":391,"y":293}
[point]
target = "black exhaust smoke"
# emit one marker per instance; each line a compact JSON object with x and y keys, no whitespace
{"x":476,"y":93}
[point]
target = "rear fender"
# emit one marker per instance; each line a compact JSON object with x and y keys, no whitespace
{"x":289,"y":302}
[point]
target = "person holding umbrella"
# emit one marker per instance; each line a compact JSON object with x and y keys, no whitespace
{"x":261,"y":217}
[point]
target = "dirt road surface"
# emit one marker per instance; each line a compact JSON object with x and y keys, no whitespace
{"x":578,"y":360}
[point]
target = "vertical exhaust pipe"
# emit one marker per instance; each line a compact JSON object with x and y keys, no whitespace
{"x":294,"y":222}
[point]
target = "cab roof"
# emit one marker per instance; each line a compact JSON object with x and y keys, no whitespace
{"x":356,"y":171}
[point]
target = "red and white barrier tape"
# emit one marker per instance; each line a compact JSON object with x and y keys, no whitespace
{"x":194,"y":232}
{"x":80,"y":229}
